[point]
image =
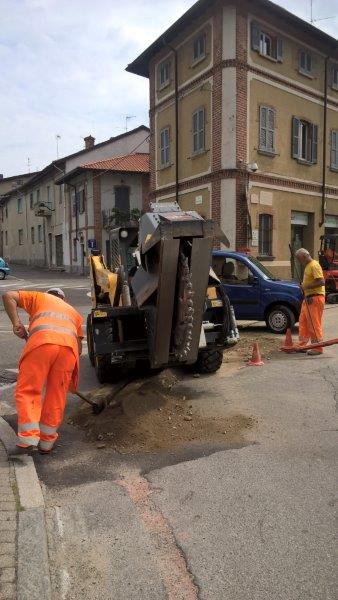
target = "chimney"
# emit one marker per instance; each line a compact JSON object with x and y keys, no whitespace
{"x":89,"y":142}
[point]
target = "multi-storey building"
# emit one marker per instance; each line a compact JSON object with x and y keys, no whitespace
{"x":244,"y":124}
{"x":37,"y":227}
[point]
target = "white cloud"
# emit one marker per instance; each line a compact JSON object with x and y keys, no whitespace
{"x":63,"y":70}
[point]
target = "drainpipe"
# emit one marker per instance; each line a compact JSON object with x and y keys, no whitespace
{"x":322,"y":221}
{"x":176,"y":114}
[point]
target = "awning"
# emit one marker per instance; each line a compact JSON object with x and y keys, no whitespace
{"x":299,"y":218}
{"x":331,"y":221}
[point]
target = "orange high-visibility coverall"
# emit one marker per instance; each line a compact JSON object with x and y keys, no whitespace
{"x":50,"y":361}
{"x":310,"y":319}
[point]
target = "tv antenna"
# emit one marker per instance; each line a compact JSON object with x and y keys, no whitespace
{"x":312,"y":20}
{"x":128,"y":117}
{"x":29,"y":164}
{"x":57,"y":137}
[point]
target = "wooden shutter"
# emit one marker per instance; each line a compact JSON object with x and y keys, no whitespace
{"x":334,"y":150}
{"x":314,"y":148}
{"x":295,"y":137}
{"x":255,"y":35}
{"x":270,"y":139}
{"x":279,"y":50}
{"x":262,"y":127}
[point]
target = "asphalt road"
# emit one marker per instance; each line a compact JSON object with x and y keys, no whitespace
{"x":249,"y":523}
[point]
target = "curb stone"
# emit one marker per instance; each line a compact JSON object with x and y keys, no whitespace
{"x":33,"y":576}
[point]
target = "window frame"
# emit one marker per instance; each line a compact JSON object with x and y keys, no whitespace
{"x":265,"y":251}
{"x":200,"y":55}
{"x":81,"y":201}
{"x":334,"y":77}
{"x":300,"y":127}
{"x":20,"y":206}
{"x":40,"y":233}
{"x":33,"y":235}
{"x":165,"y":148}
{"x":6,"y":238}
{"x":166,"y":64}
{"x":31,"y":200}
{"x":198,"y":132}
{"x":269,"y":110}
{"x":305,"y":70}
{"x":334,"y":150}
{"x":20,"y":236}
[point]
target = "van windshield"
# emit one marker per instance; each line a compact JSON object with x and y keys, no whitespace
{"x":262,"y":268}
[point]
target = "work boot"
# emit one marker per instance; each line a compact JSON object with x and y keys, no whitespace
{"x":42,"y":451}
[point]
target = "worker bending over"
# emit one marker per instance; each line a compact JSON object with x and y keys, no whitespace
{"x":313,"y":286}
{"x":49,"y":362}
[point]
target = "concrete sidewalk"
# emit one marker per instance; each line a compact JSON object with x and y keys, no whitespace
{"x":24,"y":565}
{"x":8,"y":528}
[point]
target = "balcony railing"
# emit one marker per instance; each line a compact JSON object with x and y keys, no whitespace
{"x":113,"y":217}
{"x":43,"y":209}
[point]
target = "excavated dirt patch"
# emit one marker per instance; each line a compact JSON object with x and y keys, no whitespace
{"x":153,"y":418}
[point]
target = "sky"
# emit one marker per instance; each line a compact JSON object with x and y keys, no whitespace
{"x":63,"y":70}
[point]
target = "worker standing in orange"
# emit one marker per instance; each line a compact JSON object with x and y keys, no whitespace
{"x":311,"y":314}
{"x":49,"y":361}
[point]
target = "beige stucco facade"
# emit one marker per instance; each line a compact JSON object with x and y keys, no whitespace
{"x":234,"y":78}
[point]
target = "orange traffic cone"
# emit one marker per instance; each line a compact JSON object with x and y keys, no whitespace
{"x":256,"y":359}
{"x":288,"y":342}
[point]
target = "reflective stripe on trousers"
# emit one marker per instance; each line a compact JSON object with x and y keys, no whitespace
{"x":28,"y":440}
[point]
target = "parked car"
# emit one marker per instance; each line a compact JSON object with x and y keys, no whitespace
{"x":4,"y":268}
{"x":255,"y":293}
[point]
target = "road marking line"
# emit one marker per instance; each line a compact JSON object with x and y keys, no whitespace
{"x":13,"y":370}
{"x":59,"y":522}
{"x":173,"y":568}
{"x":65,"y":582}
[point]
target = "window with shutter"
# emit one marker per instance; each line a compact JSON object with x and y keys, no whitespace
{"x":265,"y":235}
{"x":198,"y":128}
{"x":165,"y":147}
{"x":265,"y":43}
{"x":304,"y":141}
{"x":334,"y":150}
{"x":267,"y":129}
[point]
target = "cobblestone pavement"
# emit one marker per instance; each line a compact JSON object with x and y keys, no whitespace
{"x":8,"y":528}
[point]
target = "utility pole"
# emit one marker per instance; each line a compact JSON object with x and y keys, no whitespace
{"x":29,"y":164}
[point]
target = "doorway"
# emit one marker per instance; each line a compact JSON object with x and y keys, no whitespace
{"x":122,"y":203}
{"x":108,"y":258}
{"x":50,"y":248}
{"x":59,"y":250}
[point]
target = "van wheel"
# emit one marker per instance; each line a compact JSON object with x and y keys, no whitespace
{"x":2,"y":274}
{"x":209,"y":361}
{"x":280,"y":318}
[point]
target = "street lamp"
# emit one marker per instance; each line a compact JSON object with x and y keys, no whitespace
{"x":246,"y":169}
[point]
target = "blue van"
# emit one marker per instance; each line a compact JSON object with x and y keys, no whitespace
{"x":255,"y":293}
{"x":4,"y":268}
